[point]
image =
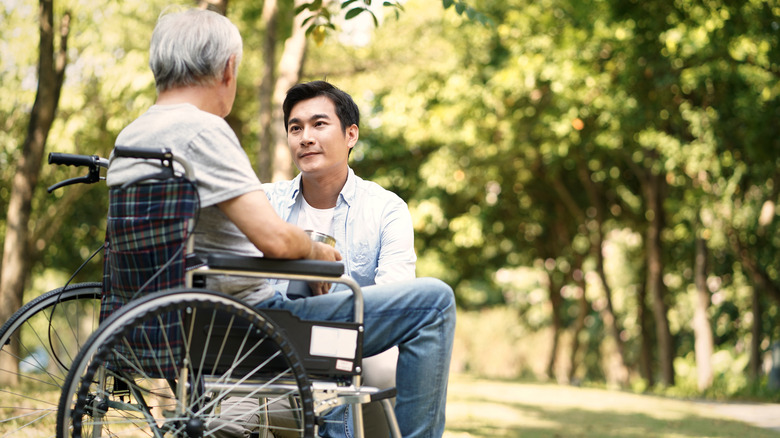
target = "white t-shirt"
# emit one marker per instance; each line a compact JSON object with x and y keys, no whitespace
{"x":316,"y":219}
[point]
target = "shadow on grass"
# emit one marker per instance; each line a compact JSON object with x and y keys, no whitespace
{"x":532,"y":421}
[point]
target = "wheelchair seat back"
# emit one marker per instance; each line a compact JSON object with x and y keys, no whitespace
{"x":146,"y":237}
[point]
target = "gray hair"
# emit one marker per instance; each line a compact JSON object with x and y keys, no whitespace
{"x":192,"y":48}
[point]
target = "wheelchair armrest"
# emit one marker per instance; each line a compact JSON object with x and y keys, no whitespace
{"x":384,"y":394}
{"x":281,"y":266}
{"x":267,"y":268}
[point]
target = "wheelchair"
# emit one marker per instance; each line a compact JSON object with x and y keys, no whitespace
{"x":173,"y":358}
{"x":39,"y":341}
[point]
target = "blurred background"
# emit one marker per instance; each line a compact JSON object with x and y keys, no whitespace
{"x":597,"y":179}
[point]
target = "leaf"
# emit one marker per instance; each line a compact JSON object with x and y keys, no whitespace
{"x":352,"y":13}
{"x":488,"y":22}
{"x":303,"y":7}
{"x":347,"y":3}
{"x":459,"y":8}
{"x":376,"y":22}
{"x":313,"y":6}
{"x":446,"y":3}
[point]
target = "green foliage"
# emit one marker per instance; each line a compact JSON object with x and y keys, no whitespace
{"x":107,"y":84}
{"x":324,"y":15}
{"x":462,"y":7}
{"x":491,"y":134}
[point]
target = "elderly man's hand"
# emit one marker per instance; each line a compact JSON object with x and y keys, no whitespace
{"x":321,"y":251}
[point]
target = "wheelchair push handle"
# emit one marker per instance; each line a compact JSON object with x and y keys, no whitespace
{"x":77,"y":160}
{"x":134,"y":152}
{"x":93,"y":162}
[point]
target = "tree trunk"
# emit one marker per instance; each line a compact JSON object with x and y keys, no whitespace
{"x":611,"y":321}
{"x":16,"y":249}
{"x":655,"y":286}
{"x":646,"y":338}
{"x":583,"y":308}
{"x":290,"y":67}
{"x":754,"y":366}
{"x":762,"y":284}
{"x":703,"y":345}
{"x":557,"y":304}
{"x":266,"y":92}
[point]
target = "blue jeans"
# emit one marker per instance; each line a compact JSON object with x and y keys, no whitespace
{"x":418,"y":316}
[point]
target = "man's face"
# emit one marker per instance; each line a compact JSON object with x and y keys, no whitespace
{"x":317,"y":143}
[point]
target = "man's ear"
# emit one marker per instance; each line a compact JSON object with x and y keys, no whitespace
{"x":230,"y":71}
{"x":352,"y":134}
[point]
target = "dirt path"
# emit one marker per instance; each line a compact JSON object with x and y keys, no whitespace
{"x":497,"y":409}
{"x":764,"y":415}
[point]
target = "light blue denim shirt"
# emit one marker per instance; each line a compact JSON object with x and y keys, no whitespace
{"x":372,"y":227}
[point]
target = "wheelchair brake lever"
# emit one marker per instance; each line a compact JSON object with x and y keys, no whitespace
{"x":79,"y":179}
{"x":93,"y":162}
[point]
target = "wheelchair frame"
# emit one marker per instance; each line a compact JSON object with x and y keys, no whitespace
{"x":338,"y":385}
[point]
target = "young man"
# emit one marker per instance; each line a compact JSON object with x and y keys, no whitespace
{"x":194,"y":56}
{"x":372,"y":226}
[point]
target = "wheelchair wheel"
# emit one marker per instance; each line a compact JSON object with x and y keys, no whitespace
{"x":37,"y":346}
{"x":176,"y":363}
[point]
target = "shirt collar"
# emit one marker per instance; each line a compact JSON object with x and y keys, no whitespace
{"x":347,"y":193}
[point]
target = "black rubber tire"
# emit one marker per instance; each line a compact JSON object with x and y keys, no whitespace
{"x":125,"y":393}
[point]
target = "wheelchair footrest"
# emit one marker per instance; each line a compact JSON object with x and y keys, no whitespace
{"x":327,"y":395}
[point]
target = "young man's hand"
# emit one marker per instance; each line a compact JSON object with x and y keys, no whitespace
{"x":321,"y":251}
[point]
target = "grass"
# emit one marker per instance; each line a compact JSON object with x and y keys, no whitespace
{"x":500,"y":409}
{"x":506,"y":409}
{"x":31,"y":407}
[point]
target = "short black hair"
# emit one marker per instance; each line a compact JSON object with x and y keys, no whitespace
{"x":346,"y":109}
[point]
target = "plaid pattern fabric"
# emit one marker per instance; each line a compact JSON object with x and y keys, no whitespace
{"x":147,"y":228}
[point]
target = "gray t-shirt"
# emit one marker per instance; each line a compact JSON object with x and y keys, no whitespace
{"x":222,"y":171}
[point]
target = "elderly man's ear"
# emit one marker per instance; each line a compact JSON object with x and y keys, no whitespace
{"x":230,"y":71}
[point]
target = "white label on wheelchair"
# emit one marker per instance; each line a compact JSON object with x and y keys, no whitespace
{"x":333,"y":342}
{"x":344,"y":365}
